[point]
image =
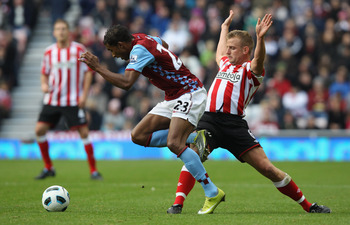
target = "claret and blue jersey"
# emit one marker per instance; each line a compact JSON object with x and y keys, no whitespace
{"x":161,"y":66}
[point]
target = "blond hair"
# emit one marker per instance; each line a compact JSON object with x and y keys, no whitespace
{"x":244,"y":36}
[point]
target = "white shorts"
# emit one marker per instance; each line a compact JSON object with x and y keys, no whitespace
{"x":189,"y":106}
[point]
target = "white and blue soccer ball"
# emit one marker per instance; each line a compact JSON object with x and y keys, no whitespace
{"x":55,"y":199}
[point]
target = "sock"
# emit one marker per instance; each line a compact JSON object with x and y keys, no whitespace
{"x":90,"y":155}
{"x":184,"y":186}
{"x":44,"y":149}
{"x":190,"y":138}
{"x":289,"y":188}
{"x":159,"y":138}
{"x":196,"y":168}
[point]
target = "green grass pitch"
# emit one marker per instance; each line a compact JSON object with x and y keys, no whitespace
{"x":120,"y":198}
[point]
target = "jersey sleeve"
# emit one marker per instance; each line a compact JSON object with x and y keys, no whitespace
{"x":257,"y":79}
{"x":157,"y":39}
{"x":140,"y":57}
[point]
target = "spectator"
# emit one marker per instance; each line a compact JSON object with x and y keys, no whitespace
{"x":317,"y":104}
{"x":291,"y":42}
{"x":289,"y":121}
{"x":192,"y":62}
{"x":143,"y":9}
{"x":176,"y":36}
{"x":336,"y":113}
{"x":160,"y":20}
{"x":113,"y":119}
{"x":341,"y":84}
{"x":196,"y":24}
{"x":5,"y":101}
{"x":58,"y":9}
{"x":8,"y":59}
{"x":279,"y":82}
{"x":101,"y":14}
{"x":296,"y":102}
{"x":4,"y":15}
{"x":22,"y":21}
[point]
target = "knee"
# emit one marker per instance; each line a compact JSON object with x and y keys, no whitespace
{"x":40,"y":131}
{"x":135,"y":138}
{"x":83,"y":132}
{"x":175,"y":146}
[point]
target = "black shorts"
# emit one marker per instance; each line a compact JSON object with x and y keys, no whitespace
{"x":73,"y":115}
{"x":228,"y":131}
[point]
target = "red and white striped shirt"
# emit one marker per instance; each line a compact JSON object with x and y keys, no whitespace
{"x":233,"y":88}
{"x":66,"y":74}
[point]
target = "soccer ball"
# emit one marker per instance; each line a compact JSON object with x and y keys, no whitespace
{"x":55,"y":199}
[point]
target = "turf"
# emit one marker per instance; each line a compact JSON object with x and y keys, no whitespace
{"x":139,"y":192}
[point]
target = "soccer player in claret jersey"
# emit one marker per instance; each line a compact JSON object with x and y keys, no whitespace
{"x":65,"y":82}
{"x":171,"y":122}
{"x":222,"y":124}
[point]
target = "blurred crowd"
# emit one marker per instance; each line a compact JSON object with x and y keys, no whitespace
{"x":307,"y":67}
{"x":17,"y":20}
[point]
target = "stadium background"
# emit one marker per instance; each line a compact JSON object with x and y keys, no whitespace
{"x":301,"y":112}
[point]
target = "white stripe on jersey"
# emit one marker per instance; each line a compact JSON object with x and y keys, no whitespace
{"x":233,"y":88}
{"x":66,"y":74}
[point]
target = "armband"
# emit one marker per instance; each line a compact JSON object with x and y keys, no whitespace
{"x":257,"y":75}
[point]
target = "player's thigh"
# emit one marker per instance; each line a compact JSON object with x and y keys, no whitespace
{"x":48,"y":117}
{"x":256,"y":157}
{"x":75,"y":116}
{"x":41,"y":128}
{"x":149,"y":124}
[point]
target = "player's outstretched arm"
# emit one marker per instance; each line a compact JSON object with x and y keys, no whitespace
{"x":119,"y":80}
{"x":262,"y":26}
{"x":221,"y":48}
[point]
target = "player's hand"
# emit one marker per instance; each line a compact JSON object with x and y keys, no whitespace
{"x":82,"y":102}
{"x":45,"y":88}
{"x":228,"y":21}
{"x":262,"y":26}
{"x":90,"y":59}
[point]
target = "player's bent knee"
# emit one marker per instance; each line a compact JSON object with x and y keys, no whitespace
{"x":174,"y":146}
{"x":137,"y":140}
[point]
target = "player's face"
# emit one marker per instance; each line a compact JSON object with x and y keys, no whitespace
{"x":235,"y":51}
{"x":61,"y":32}
{"x":119,"y":51}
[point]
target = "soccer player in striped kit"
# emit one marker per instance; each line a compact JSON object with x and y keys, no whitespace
{"x":222,"y":123}
{"x":65,"y":82}
{"x":171,"y":122}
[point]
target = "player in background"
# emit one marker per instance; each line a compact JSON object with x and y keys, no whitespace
{"x":222,"y":123}
{"x":65,"y":82}
{"x":171,"y":122}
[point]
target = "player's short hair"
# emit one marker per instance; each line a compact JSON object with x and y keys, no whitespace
{"x":61,"y":21}
{"x":115,"y":34}
{"x":244,"y":36}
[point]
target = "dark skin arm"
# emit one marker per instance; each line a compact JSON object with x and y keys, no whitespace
{"x":124,"y":81}
{"x":119,"y":80}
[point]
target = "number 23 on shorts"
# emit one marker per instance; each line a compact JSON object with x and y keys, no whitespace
{"x":182,"y":106}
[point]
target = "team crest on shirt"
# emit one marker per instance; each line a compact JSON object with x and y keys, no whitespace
{"x":133,"y":59}
{"x":233,"y":77}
